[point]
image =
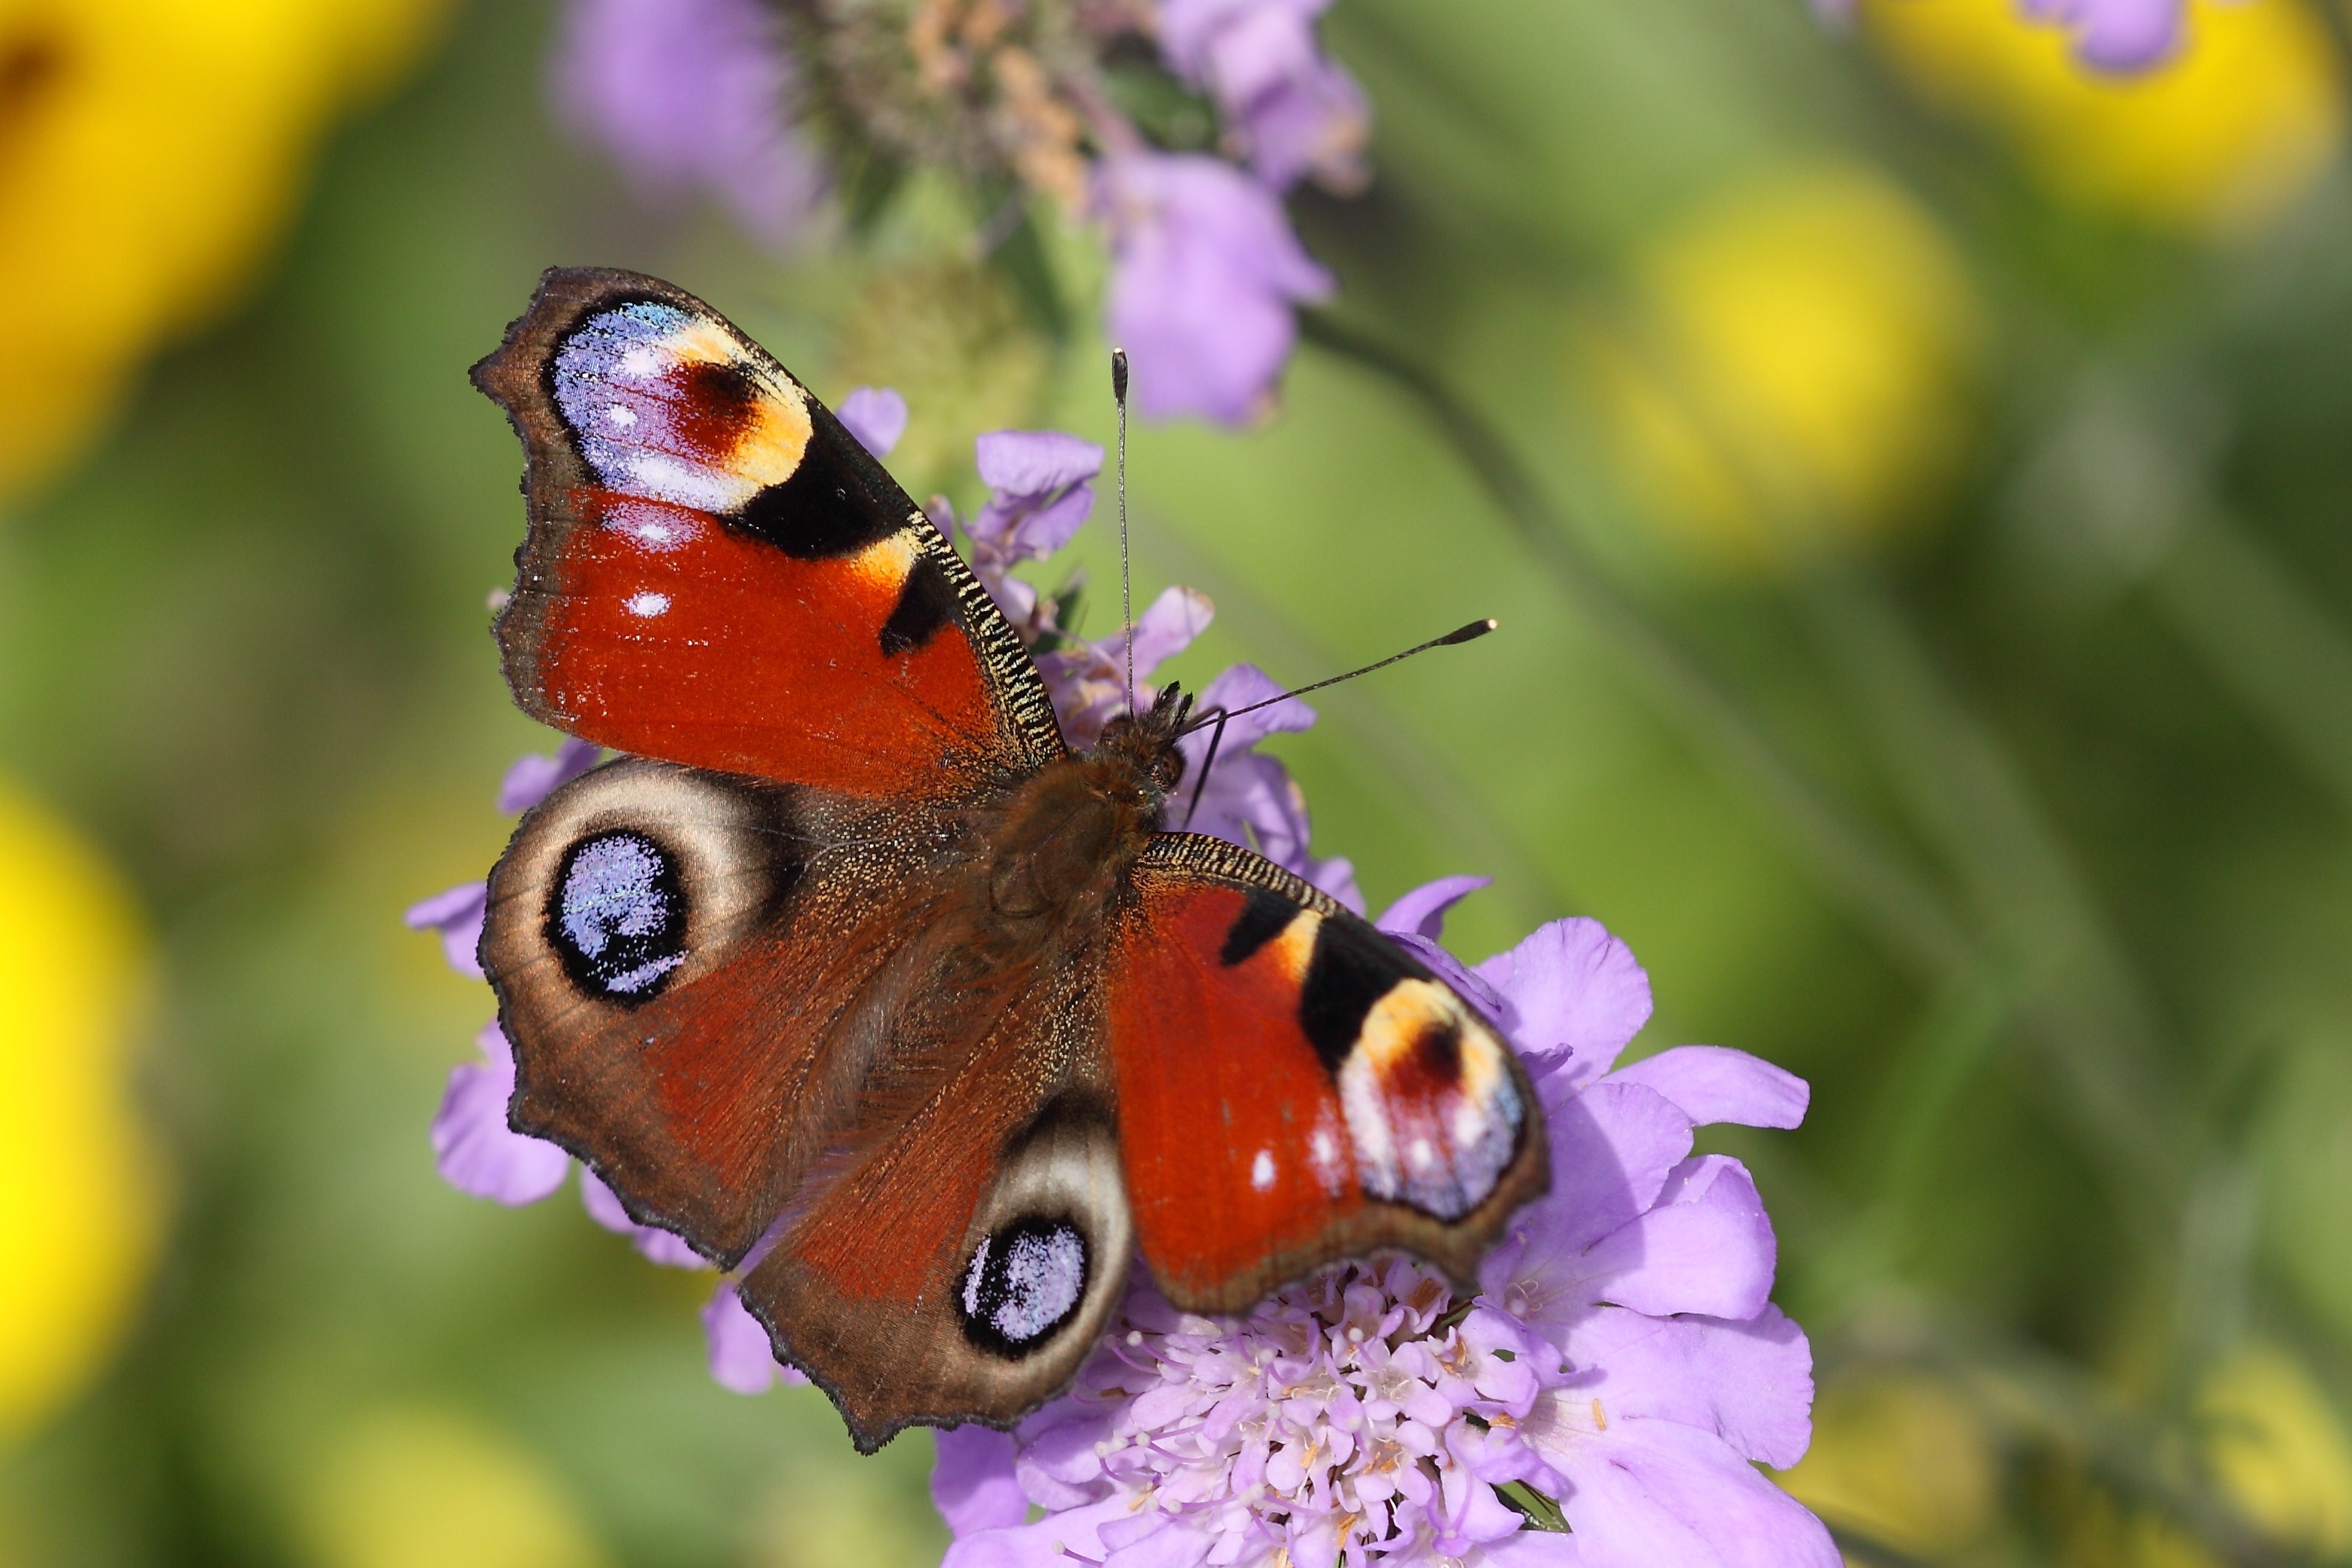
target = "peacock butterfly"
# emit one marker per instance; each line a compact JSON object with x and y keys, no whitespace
{"x":852,"y":974}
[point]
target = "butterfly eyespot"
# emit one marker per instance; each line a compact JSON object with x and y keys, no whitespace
{"x":618,"y":916}
{"x":1025,"y":1280}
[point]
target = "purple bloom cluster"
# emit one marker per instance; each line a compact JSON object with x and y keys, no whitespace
{"x":2117,"y":36}
{"x":1621,"y":1367}
{"x":1205,"y":270}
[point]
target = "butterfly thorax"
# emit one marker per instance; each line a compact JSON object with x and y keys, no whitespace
{"x":1072,"y":828}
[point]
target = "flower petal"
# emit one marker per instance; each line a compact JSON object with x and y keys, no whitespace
{"x":1645,"y":1493}
{"x":1165,"y":629}
{"x":533,"y":778}
{"x":1712,"y":1084}
{"x":1529,"y":1548}
{"x":1042,"y":1544}
{"x":1574,"y":991}
{"x":1707,"y":1248}
{"x":1237,"y":687}
{"x":1750,"y":1383}
{"x":653,"y":1244}
{"x":876,"y":415}
{"x":692,"y":93}
{"x":456,"y":917}
{"x":741,"y":1359}
{"x":1205,"y":270}
{"x":1613,"y":1149}
{"x":476,"y":1152}
{"x":972,"y":1484}
{"x":1421,"y":911}
{"x":1034,"y":463}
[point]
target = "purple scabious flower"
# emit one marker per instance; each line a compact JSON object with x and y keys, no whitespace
{"x":691,"y":95}
{"x":1287,"y":107}
{"x":1205,"y":273}
{"x":1621,"y":1360}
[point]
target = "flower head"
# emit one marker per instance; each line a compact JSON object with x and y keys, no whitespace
{"x":1204,"y":272}
{"x":1621,"y":1363}
{"x":691,"y":95}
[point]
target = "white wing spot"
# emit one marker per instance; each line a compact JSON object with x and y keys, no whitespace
{"x":648,"y":605}
{"x":621,"y":414}
{"x":1262,"y":1171}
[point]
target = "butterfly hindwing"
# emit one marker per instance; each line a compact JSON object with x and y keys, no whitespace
{"x":962,"y":1265}
{"x":684,"y":961}
{"x":718,"y":573}
{"x":789,"y":1027}
{"x":1294,"y":1087}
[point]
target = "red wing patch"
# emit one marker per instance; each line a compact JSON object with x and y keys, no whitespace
{"x":1294,"y":1087}
{"x":717,"y":574}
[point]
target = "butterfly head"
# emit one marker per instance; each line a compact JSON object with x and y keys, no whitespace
{"x":1147,"y":740}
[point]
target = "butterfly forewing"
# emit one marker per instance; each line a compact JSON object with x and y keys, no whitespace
{"x":718,"y":573}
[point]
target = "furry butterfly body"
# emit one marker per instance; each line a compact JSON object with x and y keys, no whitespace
{"x":849,"y":972}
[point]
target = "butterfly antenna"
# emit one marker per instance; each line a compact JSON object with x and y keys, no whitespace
{"x":1125,"y":591}
{"x":1215,"y":740}
{"x":1470,"y":633}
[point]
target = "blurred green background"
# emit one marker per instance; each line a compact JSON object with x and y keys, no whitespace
{"x":1913,"y":480}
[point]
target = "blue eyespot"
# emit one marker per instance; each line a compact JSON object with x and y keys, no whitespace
{"x":1024,"y":1281}
{"x":618,"y":919}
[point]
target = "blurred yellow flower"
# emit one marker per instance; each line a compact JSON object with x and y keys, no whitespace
{"x":2278,"y":1450}
{"x":79,"y":1198}
{"x":1902,"y":1458}
{"x":1794,"y":366}
{"x":2223,"y":136}
{"x":429,"y":1488}
{"x":150,"y":150}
